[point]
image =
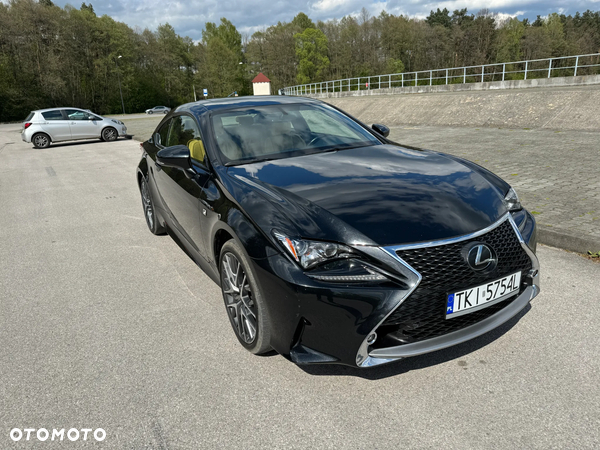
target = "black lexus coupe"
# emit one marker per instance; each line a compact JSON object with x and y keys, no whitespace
{"x":331,"y":243}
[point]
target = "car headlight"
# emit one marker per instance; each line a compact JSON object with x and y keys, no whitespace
{"x":310,"y":253}
{"x":511,"y":200}
{"x":337,"y":262}
{"x":117,"y":122}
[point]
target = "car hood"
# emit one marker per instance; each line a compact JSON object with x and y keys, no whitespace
{"x":376,"y":195}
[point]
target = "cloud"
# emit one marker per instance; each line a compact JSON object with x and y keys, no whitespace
{"x":188,"y":17}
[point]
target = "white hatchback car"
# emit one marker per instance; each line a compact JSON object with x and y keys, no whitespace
{"x":45,"y":126}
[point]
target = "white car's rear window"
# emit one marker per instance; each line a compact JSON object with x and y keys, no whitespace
{"x":52,"y":115}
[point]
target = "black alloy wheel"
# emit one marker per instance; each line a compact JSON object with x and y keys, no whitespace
{"x":109,"y":134}
{"x":41,"y":140}
{"x":149,"y":211}
{"x":243,"y":300}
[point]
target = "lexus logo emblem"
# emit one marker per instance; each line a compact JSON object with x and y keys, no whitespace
{"x":481,"y":257}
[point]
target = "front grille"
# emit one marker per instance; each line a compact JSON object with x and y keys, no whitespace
{"x":444,"y":270}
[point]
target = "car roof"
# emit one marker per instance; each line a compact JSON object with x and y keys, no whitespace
{"x":232,"y":102}
{"x":59,"y":108}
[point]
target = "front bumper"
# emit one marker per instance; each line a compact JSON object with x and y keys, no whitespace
{"x":317,"y":322}
{"x":389,"y":354}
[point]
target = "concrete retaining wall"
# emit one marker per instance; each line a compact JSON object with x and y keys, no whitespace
{"x":489,"y":85}
{"x":560,"y":108}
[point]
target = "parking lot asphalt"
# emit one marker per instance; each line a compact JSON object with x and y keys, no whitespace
{"x":103,"y":325}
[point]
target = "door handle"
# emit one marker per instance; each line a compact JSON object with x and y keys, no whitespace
{"x":205,"y":203}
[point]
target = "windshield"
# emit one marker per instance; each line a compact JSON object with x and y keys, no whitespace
{"x":281,"y":131}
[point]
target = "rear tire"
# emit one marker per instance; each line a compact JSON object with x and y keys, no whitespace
{"x":109,"y":134}
{"x":149,"y":211}
{"x":244,"y":302}
{"x":41,"y":140}
{"x":150,"y":112}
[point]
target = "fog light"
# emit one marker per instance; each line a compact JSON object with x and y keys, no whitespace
{"x":372,"y":338}
{"x":533,"y":273}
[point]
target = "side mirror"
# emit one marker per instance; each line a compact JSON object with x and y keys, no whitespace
{"x":177,"y":156}
{"x":381,"y":129}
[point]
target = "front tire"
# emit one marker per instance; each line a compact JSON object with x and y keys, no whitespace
{"x":244,"y":302}
{"x":41,"y":140}
{"x":109,"y":134}
{"x":149,"y":210}
{"x":150,"y":112}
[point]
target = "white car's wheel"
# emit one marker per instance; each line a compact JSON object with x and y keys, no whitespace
{"x":41,"y":140}
{"x":109,"y":134}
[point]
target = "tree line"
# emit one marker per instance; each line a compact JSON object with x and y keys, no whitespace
{"x":52,"y":56}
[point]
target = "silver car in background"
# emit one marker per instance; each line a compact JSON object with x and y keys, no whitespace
{"x":158,"y":110}
{"x":45,"y":126}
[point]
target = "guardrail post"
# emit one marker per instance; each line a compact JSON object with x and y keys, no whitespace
{"x":430,"y":77}
{"x":446,"y":76}
{"x":390,"y":82}
{"x":369,"y":83}
{"x":416,"y":77}
{"x":526,"y":62}
{"x":576,"y":64}
{"x":464,"y":74}
{"x":503,"y":71}
{"x":482,"y":73}
{"x":550,"y":68}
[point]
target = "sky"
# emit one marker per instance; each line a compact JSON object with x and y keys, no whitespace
{"x":189,"y":16}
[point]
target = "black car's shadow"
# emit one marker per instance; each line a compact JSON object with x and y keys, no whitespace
{"x":72,"y":143}
{"x":416,"y":362}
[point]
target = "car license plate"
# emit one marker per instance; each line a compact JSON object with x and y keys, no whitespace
{"x":473,"y":299}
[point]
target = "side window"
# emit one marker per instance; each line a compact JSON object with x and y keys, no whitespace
{"x":184,"y":131}
{"x":52,"y":115}
{"x":162,"y":134}
{"x":174,"y":132}
{"x":75,"y":114}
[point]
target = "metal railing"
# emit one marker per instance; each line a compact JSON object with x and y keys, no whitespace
{"x":563,"y":66}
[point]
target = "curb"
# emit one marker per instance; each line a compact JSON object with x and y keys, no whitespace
{"x":566,"y":241}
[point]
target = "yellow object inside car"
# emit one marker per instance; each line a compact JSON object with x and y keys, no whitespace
{"x":197,"y":151}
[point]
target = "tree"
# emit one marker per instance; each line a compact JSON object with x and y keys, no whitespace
{"x":311,"y":50}
{"x":439,"y":17}
{"x":227,"y":33}
{"x":302,"y":22}
{"x":508,"y":42}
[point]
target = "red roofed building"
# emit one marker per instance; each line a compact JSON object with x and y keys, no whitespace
{"x":261,"y":85}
